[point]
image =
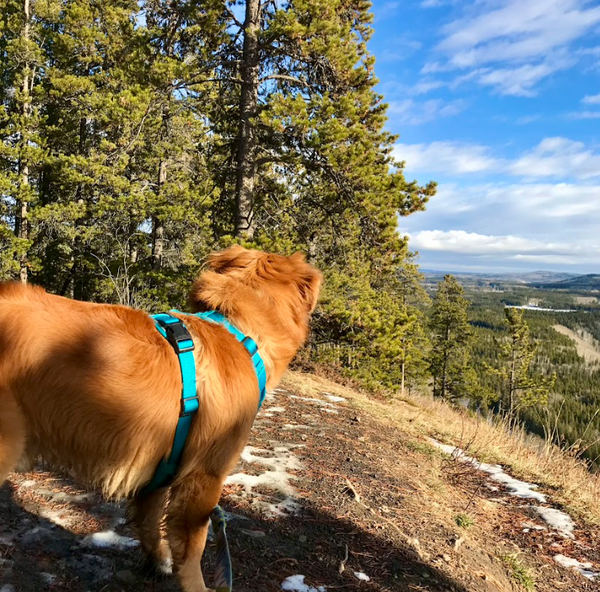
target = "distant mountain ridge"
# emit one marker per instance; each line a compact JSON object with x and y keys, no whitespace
{"x":531,"y":277}
{"x":590,"y":281}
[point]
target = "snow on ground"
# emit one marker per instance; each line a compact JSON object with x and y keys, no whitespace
{"x":515,"y":487}
{"x":363,"y":577}
{"x":585,"y":569}
{"x":109,"y":539}
{"x":334,"y":398}
{"x":296,"y":584}
{"x":557,"y":520}
{"x":277,"y":477}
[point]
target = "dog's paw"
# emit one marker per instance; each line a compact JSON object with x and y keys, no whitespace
{"x":165,"y":567}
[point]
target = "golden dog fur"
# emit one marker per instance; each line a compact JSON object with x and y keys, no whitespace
{"x":95,"y":389}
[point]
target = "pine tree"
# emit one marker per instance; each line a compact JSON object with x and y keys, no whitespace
{"x":521,"y":388}
{"x":451,"y":339}
{"x":22,"y":153}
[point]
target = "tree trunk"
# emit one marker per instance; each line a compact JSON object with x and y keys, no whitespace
{"x":402,"y":381}
{"x":23,"y":213}
{"x":511,"y":386}
{"x":246,"y":147}
{"x":158,"y":229}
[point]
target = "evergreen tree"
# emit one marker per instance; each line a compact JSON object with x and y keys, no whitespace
{"x":521,"y":388}
{"x":451,"y":339}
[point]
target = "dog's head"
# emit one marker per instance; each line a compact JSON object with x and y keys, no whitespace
{"x":245,"y":282}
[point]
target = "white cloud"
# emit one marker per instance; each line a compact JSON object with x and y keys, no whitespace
{"x":527,"y":201}
{"x":585,"y":115}
{"x":411,"y":112}
{"x":518,"y":30}
{"x":520,"y":81}
{"x":425,"y":86}
{"x":518,"y":249}
{"x":445,"y":157}
{"x":459,"y":241}
{"x":591,"y":99}
{"x":557,"y":157}
{"x":513,"y":44}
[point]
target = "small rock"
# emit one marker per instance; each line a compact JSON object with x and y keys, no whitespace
{"x":255,"y":534}
{"x":446,"y":558}
{"x":302,"y":538}
{"x":458,"y":543}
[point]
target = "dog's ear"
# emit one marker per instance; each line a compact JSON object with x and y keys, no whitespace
{"x":309,"y":281}
{"x":231,"y":257}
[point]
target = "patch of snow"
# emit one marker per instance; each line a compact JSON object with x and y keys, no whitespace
{"x":515,"y":487}
{"x":7,"y":588}
{"x":289,"y":426}
{"x":334,"y":398}
{"x":585,"y":569}
{"x":334,"y":411}
{"x":363,"y":577}
{"x":278,"y":462}
{"x":296,"y":584}
{"x":29,"y":483}
{"x":559,"y":521}
{"x":539,"y":308}
{"x":109,"y":539}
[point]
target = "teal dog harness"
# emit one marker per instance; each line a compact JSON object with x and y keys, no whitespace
{"x":176,"y":333}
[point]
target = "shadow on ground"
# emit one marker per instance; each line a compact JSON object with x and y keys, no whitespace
{"x":37,"y":555}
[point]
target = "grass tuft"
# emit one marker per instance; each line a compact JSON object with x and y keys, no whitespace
{"x":520,"y":572}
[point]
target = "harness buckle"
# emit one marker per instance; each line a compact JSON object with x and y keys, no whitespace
{"x":250,"y":345}
{"x":188,"y":406}
{"x":178,"y":336}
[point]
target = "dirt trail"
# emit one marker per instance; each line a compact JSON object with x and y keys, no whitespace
{"x":587,"y":347}
{"x":326,"y":497}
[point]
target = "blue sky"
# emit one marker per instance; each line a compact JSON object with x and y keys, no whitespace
{"x":498,"y":101}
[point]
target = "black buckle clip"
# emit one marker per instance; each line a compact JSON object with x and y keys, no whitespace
{"x":177,"y":335}
{"x":184,"y":411}
{"x":250,"y":345}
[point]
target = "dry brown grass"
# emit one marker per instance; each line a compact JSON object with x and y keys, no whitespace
{"x":528,"y":457}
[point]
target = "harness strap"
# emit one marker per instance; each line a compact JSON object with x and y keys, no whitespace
{"x":176,"y":333}
{"x":250,"y":345}
{"x":172,"y":329}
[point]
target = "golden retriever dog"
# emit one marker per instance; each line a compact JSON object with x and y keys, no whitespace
{"x":95,"y":389}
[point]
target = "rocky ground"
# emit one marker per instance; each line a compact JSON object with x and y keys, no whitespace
{"x":327,"y":497}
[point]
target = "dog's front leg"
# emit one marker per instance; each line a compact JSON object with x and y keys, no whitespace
{"x":187,"y":526}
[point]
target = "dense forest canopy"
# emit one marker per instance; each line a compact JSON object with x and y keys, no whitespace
{"x":139,"y":136}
